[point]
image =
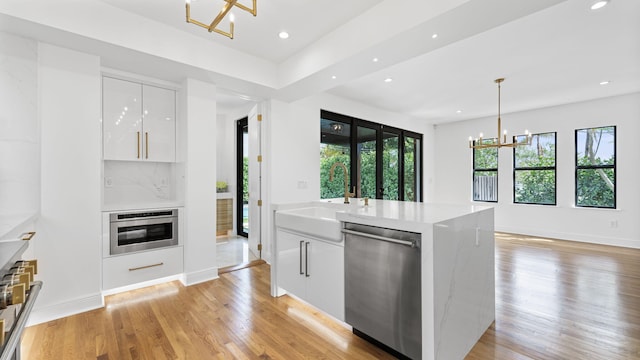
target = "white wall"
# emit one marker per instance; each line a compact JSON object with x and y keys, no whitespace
{"x":19,"y":134}
{"x":225,"y":151}
{"x":68,"y":242}
{"x":563,"y":221}
{"x":199,"y":146}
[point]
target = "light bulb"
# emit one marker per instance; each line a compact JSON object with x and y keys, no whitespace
{"x":599,"y":4}
{"x":232,"y":18}
{"x":283,"y":35}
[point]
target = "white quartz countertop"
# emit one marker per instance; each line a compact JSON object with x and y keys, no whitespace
{"x":402,"y":215}
{"x":10,"y":222}
{"x":405,"y":215}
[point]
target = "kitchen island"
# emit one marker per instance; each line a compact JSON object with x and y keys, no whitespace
{"x":456,"y":255}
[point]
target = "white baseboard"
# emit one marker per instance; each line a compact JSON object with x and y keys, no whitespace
{"x":52,"y":312}
{"x":200,"y":276}
{"x":611,"y":241}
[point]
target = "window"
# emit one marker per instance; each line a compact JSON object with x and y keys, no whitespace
{"x":391,"y":164}
{"x":534,"y":170}
{"x":412,"y":179}
{"x":596,"y":167}
{"x":485,"y":173}
{"x":383,"y":162}
{"x":335,"y":146}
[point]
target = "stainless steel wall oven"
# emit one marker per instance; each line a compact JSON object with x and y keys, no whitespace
{"x":136,"y":231}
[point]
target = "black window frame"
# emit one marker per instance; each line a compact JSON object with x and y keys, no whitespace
{"x":354,"y":123}
{"x":476,"y":169}
{"x":538,"y":168}
{"x":595,"y":167}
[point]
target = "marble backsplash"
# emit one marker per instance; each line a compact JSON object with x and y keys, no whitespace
{"x":129,"y":183}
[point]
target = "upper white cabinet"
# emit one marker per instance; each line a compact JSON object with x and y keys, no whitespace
{"x":139,"y":121}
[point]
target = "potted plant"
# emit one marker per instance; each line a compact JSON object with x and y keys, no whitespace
{"x":221,"y":186}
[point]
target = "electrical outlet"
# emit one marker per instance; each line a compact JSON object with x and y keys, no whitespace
{"x":108,"y":181}
{"x":614,"y":223}
{"x":302,"y":184}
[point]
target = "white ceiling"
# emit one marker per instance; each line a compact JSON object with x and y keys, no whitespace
{"x":556,"y":56}
{"x":306,"y":20}
{"x":551,"y":52}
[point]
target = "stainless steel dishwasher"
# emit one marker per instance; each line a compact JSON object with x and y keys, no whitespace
{"x":382,"y":287}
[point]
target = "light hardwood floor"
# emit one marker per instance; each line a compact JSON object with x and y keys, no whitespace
{"x":554,"y":300}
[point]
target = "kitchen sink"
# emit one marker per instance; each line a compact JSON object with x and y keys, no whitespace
{"x":316,"y":221}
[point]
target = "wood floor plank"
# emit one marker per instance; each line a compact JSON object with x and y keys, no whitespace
{"x":554,"y":300}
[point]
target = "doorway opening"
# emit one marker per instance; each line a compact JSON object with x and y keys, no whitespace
{"x":234,"y":249}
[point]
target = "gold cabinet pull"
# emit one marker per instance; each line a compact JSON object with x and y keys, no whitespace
{"x":146,"y":145}
{"x":28,"y":235}
{"x":138,"y":144}
{"x":146,"y":266}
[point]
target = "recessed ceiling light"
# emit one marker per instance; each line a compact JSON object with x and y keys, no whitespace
{"x":599,"y":4}
{"x":388,"y":80}
{"x":283,"y":35}
{"x":374,"y":59}
{"x":434,"y":36}
{"x":333,"y":77}
{"x":606,"y":82}
{"x":458,"y":111}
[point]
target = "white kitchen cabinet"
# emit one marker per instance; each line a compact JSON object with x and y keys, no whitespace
{"x":138,"y":121}
{"x":312,"y":270}
{"x":143,"y":266}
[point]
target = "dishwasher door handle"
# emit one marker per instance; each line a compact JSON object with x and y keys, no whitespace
{"x":381,"y":238}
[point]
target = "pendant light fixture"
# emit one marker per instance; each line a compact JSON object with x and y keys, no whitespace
{"x":213,"y":27}
{"x":499,"y":141}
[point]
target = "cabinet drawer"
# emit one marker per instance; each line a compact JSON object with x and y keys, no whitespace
{"x":134,"y":268}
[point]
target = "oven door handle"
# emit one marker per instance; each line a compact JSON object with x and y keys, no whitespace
{"x":141,"y":222}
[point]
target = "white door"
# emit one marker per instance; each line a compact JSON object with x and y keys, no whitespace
{"x":159,"y":124}
{"x":254,"y":183}
{"x":121,"y":120}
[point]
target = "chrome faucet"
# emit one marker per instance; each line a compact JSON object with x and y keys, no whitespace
{"x":347,"y":194}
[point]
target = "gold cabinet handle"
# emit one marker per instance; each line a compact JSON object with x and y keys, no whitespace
{"x":28,"y":235}
{"x":146,"y":266}
{"x":146,"y":144}
{"x":138,"y":144}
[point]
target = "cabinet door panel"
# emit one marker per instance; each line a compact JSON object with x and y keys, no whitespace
{"x":325,"y":283}
{"x":121,"y":120}
{"x":159,"y":123}
{"x":290,"y":263}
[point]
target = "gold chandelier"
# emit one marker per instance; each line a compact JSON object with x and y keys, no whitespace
{"x":499,"y":142}
{"x":225,"y":10}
